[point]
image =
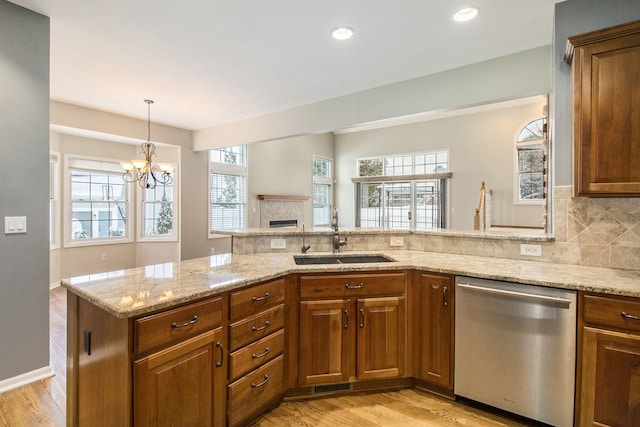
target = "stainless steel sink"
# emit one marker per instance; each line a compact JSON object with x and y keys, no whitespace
{"x":339,"y":259}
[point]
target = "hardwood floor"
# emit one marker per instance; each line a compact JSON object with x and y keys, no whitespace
{"x":42,"y":404}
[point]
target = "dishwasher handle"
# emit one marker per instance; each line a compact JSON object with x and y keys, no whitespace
{"x":514,"y":293}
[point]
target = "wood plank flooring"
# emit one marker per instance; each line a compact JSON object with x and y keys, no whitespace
{"x":42,"y":404}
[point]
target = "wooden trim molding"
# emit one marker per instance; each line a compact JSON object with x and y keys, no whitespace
{"x":387,"y":178}
{"x":282,"y":197}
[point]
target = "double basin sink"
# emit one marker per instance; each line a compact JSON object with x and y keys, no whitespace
{"x":340,"y":259}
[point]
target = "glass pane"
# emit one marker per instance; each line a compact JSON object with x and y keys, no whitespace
{"x":531,"y":186}
{"x":80,"y":191}
{"x":530,"y":160}
{"x":397,"y":198}
{"x":321,"y":167}
{"x":370,"y":167}
{"x":230,"y":155}
{"x":532,"y":131}
{"x":371,"y":205}
{"x":427,"y":205}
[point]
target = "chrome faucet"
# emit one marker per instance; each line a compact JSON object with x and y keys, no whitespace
{"x":336,"y":234}
{"x":305,"y":248}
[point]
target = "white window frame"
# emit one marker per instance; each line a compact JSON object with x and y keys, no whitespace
{"x":227,"y":169}
{"x":68,"y":241}
{"x":321,"y":180}
{"x":410,"y":177}
{"x":54,"y":200}
{"x":140,"y":194}
{"x":539,"y":144}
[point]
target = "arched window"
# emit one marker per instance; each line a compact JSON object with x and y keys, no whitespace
{"x":530,"y":161}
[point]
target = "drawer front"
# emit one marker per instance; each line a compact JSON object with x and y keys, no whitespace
{"x":614,"y":312}
{"x":255,"y":327}
{"x":254,"y":355}
{"x":248,"y":302}
{"x":251,"y":392}
{"x":346,"y":285}
{"x":169,"y":327}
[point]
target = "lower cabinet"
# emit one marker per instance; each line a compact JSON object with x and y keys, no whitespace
{"x":349,"y":333}
{"x":609,"y":368}
{"x":434,"y":330}
{"x":178,"y":386}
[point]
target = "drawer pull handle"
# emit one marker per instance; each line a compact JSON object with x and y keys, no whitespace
{"x":261,"y":328}
{"x":219,"y":345}
{"x":174,"y":325}
{"x":348,"y":286}
{"x":362,"y":317}
{"x":445,"y":299}
{"x":267,"y":350}
{"x":266,"y":380}
{"x":629,"y":316}
{"x":346,"y":319}
{"x":266,"y":296}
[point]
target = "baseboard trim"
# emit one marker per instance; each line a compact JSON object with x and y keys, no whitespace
{"x":26,"y":378}
{"x":54,"y":285}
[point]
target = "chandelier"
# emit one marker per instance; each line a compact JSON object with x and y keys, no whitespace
{"x":145,"y":173}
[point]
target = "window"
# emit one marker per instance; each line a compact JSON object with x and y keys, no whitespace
{"x":158,"y":212}
{"x":530,"y":162}
{"x":227,"y":185}
{"x":98,"y":202}
{"x":54,"y":200}
{"x":402,"y":191}
{"x":322,"y":181}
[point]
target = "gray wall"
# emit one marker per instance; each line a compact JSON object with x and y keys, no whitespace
{"x":284,"y":167}
{"x":24,"y":139}
{"x":481,"y":148}
{"x":576,"y":17}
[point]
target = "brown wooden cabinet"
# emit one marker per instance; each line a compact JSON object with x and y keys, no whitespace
{"x":434,"y":329}
{"x":256,"y":342}
{"x":606,"y":101}
{"x":162,"y":369}
{"x":609,"y":365}
{"x":352,"y":327}
{"x":179,"y":385}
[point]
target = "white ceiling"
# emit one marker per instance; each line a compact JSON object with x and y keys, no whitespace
{"x":209,"y":62}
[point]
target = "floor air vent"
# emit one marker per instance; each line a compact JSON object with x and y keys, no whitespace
{"x":331,"y":388}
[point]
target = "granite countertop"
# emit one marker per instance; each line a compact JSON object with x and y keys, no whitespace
{"x":138,"y":291}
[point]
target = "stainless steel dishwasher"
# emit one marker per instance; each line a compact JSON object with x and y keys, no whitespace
{"x":515,"y":348}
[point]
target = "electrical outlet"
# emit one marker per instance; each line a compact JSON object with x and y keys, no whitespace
{"x":396,"y":241}
{"x":213,"y":251}
{"x":278,"y":244}
{"x":105,"y":257}
{"x":530,"y":250}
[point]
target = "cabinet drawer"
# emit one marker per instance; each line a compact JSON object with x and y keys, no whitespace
{"x":612,"y":312}
{"x":250,"y":301}
{"x":252,"y":356}
{"x":256,"y":327}
{"x":169,"y":327}
{"x":250,"y":393}
{"x":345,"y":285}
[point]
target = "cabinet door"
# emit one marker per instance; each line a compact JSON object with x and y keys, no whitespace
{"x":176,"y":386}
{"x":610,"y":378}
{"x":435,"y":359}
{"x":324,"y":341}
{"x":380,"y":337}
{"x":606,"y":101}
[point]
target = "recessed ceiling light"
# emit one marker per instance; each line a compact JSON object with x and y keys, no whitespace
{"x":342,"y":33}
{"x":466,"y":14}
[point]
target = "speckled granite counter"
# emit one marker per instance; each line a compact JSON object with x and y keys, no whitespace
{"x":134,"y":292}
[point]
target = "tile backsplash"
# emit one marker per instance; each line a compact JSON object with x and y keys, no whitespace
{"x":599,"y":232}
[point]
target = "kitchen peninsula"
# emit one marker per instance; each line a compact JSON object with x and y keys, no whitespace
{"x":226,"y":330}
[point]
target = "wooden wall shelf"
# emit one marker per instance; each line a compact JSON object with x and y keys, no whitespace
{"x":280,"y":197}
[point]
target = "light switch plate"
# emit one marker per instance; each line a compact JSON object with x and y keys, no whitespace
{"x":278,"y":244}
{"x":15,"y":224}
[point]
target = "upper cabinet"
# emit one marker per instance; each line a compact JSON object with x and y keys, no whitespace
{"x":606,"y":110}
